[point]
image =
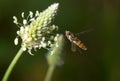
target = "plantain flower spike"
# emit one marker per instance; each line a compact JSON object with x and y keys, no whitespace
{"x":54,"y":57}
{"x":36,"y":31}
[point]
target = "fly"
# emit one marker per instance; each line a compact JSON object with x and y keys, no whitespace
{"x":75,"y":41}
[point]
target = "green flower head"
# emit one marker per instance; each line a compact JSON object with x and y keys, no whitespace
{"x":36,"y":31}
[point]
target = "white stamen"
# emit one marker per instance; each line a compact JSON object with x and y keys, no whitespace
{"x":57,"y":35}
{"x":31,"y":14}
{"x":24,"y":21}
{"x":43,"y":39}
{"x":43,"y":44}
{"x":15,"y":20}
{"x":53,"y":27}
{"x":32,"y":19}
{"x":22,"y":30}
{"x":24,"y":49}
{"x":18,"y":32}
{"x":16,"y":41}
{"x":22,"y":14}
{"x":49,"y":42}
{"x":37,"y":13}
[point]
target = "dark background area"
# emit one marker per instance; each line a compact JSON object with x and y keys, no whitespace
{"x":102,"y":60}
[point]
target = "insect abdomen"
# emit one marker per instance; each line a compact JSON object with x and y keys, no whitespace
{"x":80,"y":44}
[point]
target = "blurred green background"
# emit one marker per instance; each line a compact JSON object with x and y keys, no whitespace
{"x":102,"y":62}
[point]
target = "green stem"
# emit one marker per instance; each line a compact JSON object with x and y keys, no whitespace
{"x":49,"y":73}
{"x":11,"y":66}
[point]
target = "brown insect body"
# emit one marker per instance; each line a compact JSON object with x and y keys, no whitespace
{"x":75,"y":40}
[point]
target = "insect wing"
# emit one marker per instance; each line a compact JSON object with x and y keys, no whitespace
{"x":73,"y":47}
{"x":83,"y":32}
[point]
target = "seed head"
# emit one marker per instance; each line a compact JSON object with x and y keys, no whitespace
{"x":36,"y":30}
{"x":54,"y":56}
